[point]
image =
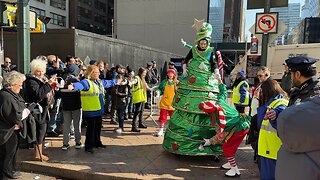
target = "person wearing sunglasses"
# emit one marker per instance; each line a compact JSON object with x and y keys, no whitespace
{"x":7,"y":66}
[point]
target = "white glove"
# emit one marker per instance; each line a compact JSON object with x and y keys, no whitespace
{"x":157,"y":93}
{"x":183,"y":42}
{"x":207,"y":142}
{"x":184,"y":70}
{"x":217,"y":75}
{"x":25,"y":113}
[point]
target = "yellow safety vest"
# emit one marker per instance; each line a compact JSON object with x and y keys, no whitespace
{"x":269,"y":143}
{"x":90,"y":99}
{"x":138,"y":93}
{"x":236,"y":94}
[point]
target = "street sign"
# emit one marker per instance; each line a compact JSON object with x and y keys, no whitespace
{"x":254,"y":4}
{"x":281,"y":28}
{"x":254,"y":45}
{"x":267,"y":23}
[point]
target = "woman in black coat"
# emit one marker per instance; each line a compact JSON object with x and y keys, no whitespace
{"x":37,"y":89}
{"x":12,"y":111}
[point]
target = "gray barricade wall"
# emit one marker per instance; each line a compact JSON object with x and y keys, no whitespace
{"x":63,"y":42}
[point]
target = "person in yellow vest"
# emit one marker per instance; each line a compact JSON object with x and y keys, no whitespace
{"x":139,"y":98}
{"x":92,"y":101}
{"x":240,"y":92}
{"x":274,"y":100}
{"x":167,"y":89}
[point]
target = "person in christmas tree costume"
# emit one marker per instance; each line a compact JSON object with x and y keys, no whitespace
{"x":189,"y":124}
{"x":167,"y":89}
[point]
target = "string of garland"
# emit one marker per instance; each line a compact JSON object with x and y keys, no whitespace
{"x":201,"y":141}
{"x":196,"y":88}
{"x":181,"y":109}
{"x":206,"y":97}
{"x":184,"y":119}
{"x":203,"y":72}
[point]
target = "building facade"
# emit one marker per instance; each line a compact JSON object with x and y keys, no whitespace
{"x":308,"y":31}
{"x":216,"y":18}
{"x":290,"y":16}
{"x":233,"y":21}
{"x":57,"y":10}
{"x":159,"y":24}
{"x":92,"y":15}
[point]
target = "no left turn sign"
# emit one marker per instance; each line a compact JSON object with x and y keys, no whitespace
{"x":266,"y":23}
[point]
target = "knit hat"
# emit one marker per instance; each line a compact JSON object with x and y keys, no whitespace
{"x":171,"y":71}
{"x":241,"y":73}
{"x":210,"y":107}
{"x":204,"y":30}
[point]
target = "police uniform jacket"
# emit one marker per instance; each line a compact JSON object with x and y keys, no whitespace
{"x":307,"y":89}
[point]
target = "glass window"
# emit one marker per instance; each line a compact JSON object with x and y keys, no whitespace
{"x":40,"y":12}
{"x":61,"y":4}
{"x":42,"y":1}
{"x":58,"y":19}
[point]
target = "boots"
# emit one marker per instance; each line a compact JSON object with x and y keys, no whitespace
{"x":134,"y":124}
{"x":38,"y":153}
{"x":233,"y":172}
{"x":226,"y":166}
{"x":160,"y":133}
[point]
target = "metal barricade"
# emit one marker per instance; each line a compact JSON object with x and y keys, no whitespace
{"x":154,"y":108}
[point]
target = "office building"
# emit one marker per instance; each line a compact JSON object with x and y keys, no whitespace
{"x":159,"y":23}
{"x":57,"y":10}
{"x":311,"y":8}
{"x":290,"y":16}
{"x":233,"y":21}
{"x":216,"y":18}
{"x":92,"y":15}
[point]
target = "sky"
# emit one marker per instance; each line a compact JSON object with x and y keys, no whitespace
{"x":252,"y":13}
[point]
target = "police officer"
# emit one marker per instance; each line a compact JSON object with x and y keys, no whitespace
{"x":303,"y":72}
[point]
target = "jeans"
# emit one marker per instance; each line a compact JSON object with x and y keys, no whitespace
{"x":56,"y":117}
{"x":120,"y":113}
{"x":129,"y":106}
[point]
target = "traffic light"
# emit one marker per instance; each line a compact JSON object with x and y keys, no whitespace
{"x":9,"y":16}
{"x":9,"y":19}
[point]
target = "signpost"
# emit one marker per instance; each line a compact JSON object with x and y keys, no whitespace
{"x":266,"y":23}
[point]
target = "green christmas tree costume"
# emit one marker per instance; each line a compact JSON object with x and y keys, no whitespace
{"x":188,"y":124}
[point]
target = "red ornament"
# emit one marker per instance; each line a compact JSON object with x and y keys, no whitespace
{"x":175,"y":146}
{"x":192,"y":79}
{"x":177,"y":99}
{"x":201,"y":105}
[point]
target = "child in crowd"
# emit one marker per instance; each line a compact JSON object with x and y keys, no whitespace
{"x":167,"y":89}
{"x":121,"y":92}
{"x":71,"y":107}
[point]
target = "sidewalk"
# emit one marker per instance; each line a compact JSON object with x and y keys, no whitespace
{"x":131,"y":156}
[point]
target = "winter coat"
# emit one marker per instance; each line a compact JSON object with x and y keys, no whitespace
{"x":121,"y":94}
{"x":307,"y":89}
{"x":298,"y":129}
{"x":70,"y":99}
{"x":85,"y":86}
{"x":37,"y":91}
{"x":11,"y":107}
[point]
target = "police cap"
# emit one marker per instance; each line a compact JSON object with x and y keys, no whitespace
{"x":300,"y":62}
